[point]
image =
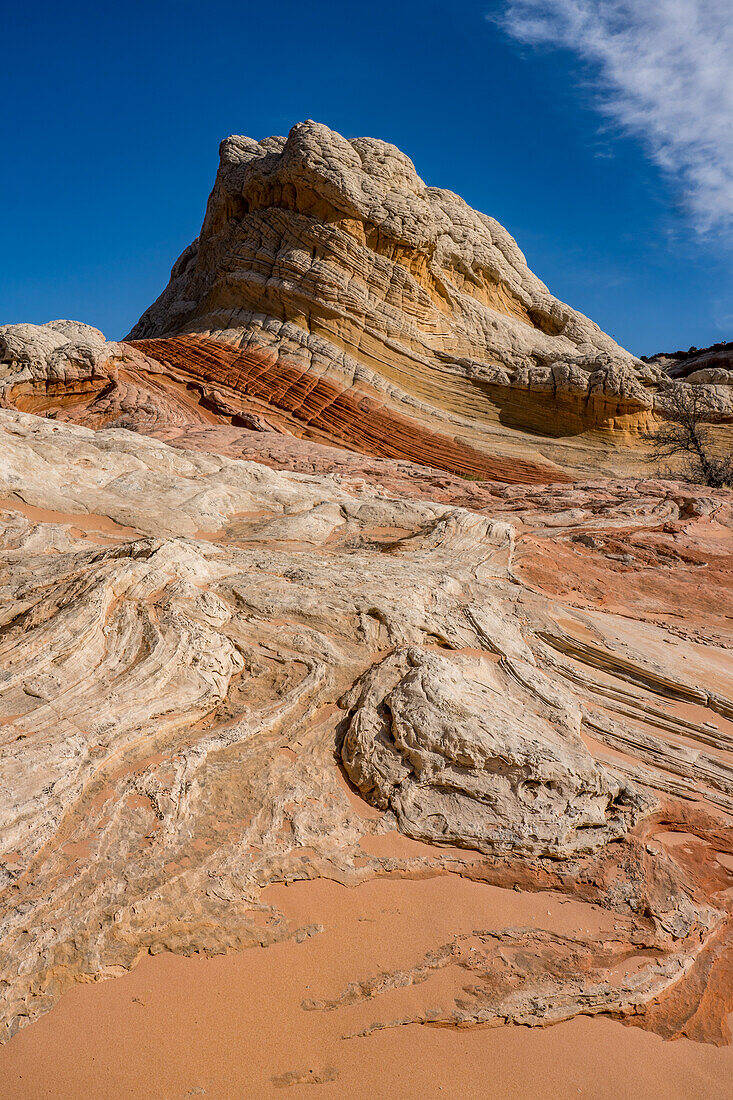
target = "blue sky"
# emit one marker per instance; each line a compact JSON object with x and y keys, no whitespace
{"x":113,"y":116}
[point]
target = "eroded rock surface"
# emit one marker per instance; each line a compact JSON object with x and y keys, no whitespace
{"x":190,"y":644}
{"x":331,"y":295}
{"x":336,"y":256}
{"x":706,"y":366}
{"x":465,"y":751}
{"x":350,"y":600}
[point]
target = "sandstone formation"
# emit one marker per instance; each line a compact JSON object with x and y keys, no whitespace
{"x":704,"y":366}
{"x":333,"y":573}
{"x":333,"y":296}
{"x":451,"y":751}
{"x":196,"y":382}
{"x":191,"y":643}
{"x":337,"y":255}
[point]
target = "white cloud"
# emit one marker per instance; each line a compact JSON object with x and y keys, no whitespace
{"x":664,"y":73}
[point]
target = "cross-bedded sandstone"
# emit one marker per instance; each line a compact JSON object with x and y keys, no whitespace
{"x":189,"y":644}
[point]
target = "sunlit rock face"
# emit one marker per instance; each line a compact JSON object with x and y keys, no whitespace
{"x":462,"y":753}
{"x":713,"y":365}
{"x":336,"y":254}
{"x":343,"y":238}
{"x":334,"y":297}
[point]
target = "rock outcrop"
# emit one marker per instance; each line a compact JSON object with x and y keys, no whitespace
{"x":333,"y":296}
{"x":190,"y":643}
{"x":196,"y":382}
{"x":345,"y":604}
{"x":711,"y":366}
{"x":461,"y":753}
{"x":337,"y":256}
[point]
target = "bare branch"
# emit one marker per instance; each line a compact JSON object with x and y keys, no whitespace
{"x":686,"y":435}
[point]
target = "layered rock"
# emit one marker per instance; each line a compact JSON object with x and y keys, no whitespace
{"x":461,"y":756}
{"x":333,"y":296}
{"x":344,"y":599}
{"x":187,"y":382}
{"x":190,"y":643}
{"x":337,"y":256}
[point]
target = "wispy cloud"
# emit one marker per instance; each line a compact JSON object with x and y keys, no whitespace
{"x":664,"y":73}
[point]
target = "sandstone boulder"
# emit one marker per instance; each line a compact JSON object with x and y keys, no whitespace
{"x":462,"y":752}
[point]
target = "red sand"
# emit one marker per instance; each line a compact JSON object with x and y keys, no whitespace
{"x":234,"y":1026}
{"x":85,"y":522}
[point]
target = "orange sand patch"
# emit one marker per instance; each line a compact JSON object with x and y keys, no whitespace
{"x":357,"y":803}
{"x":234,"y":1026}
{"x":86,"y":522}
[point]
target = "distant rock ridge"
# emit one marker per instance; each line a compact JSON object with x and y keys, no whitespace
{"x":704,"y":366}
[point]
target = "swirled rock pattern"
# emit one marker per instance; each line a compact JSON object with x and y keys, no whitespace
{"x":447,"y":748}
{"x":197,"y":381}
{"x":315,"y":579}
{"x":217,"y":676}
